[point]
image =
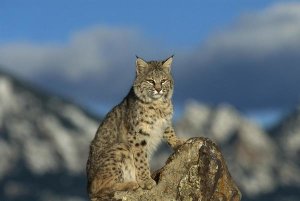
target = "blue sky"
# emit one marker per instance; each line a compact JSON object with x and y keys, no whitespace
{"x":177,"y":23}
{"x":245,"y":53}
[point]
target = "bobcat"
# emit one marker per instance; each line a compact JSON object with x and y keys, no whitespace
{"x":131,"y":131}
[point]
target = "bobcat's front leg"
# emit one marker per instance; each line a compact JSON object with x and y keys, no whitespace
{"x":171,"y":138}
{"x":142,"y":166}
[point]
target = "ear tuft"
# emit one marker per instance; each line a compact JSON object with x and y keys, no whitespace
{"x":168,"y":62}
{"x":140,"y":65}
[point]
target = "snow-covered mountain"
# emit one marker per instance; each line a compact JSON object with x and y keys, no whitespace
{"x":44,"y":147}
{"x":43,"y":144}
{"x":264,"y":164}
{"x":287,"y":136}
{"x":248,"y":149}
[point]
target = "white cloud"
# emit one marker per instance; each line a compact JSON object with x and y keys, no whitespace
{"x":262,"y":32}
{"x":96,"y":64}
{"x":93,"y":50}
{"x":26,"y":58}
{"x":253,"y":63}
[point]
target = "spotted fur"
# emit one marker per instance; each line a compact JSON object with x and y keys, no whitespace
{"x":131,"y":131}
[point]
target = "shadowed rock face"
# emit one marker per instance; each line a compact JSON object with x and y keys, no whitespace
{"x":196,"y":171}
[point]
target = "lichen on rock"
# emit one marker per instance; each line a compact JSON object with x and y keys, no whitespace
{"x":196,"y":171}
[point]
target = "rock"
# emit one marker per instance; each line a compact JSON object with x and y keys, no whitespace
{"x":196,"y":171}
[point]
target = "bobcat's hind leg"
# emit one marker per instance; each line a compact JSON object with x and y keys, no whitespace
{"x":116,"y":173}
{"x":108,"y":186}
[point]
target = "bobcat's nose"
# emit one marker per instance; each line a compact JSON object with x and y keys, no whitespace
{"x":157,"y":88}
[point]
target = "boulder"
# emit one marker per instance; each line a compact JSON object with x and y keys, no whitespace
{"x":196,"y":171}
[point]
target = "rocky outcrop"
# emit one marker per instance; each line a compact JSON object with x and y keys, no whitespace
{"x":196,"y":171}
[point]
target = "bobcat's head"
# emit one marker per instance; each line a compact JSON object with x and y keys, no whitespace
{"x":153,"y":80}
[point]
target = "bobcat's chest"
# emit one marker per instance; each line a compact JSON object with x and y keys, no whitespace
{"x":151,"y":123}
{"x":156,"y":134}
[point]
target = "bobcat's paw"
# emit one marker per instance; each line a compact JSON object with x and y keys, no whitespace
{"x":178,"y":143}
{"x":147,"y":184}
{"x":133,"y":185}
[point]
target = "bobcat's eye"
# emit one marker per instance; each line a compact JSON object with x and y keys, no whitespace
{"x":163,"y":81}
{"x":151,"y":82}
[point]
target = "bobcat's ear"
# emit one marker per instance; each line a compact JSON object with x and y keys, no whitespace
{"x":167,"y":63}
{"x":140,"y":65}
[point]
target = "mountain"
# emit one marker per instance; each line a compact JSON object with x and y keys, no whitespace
{"x":287,"y":136}
{"x":43,"y":144}
{"x":265,"y":164}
